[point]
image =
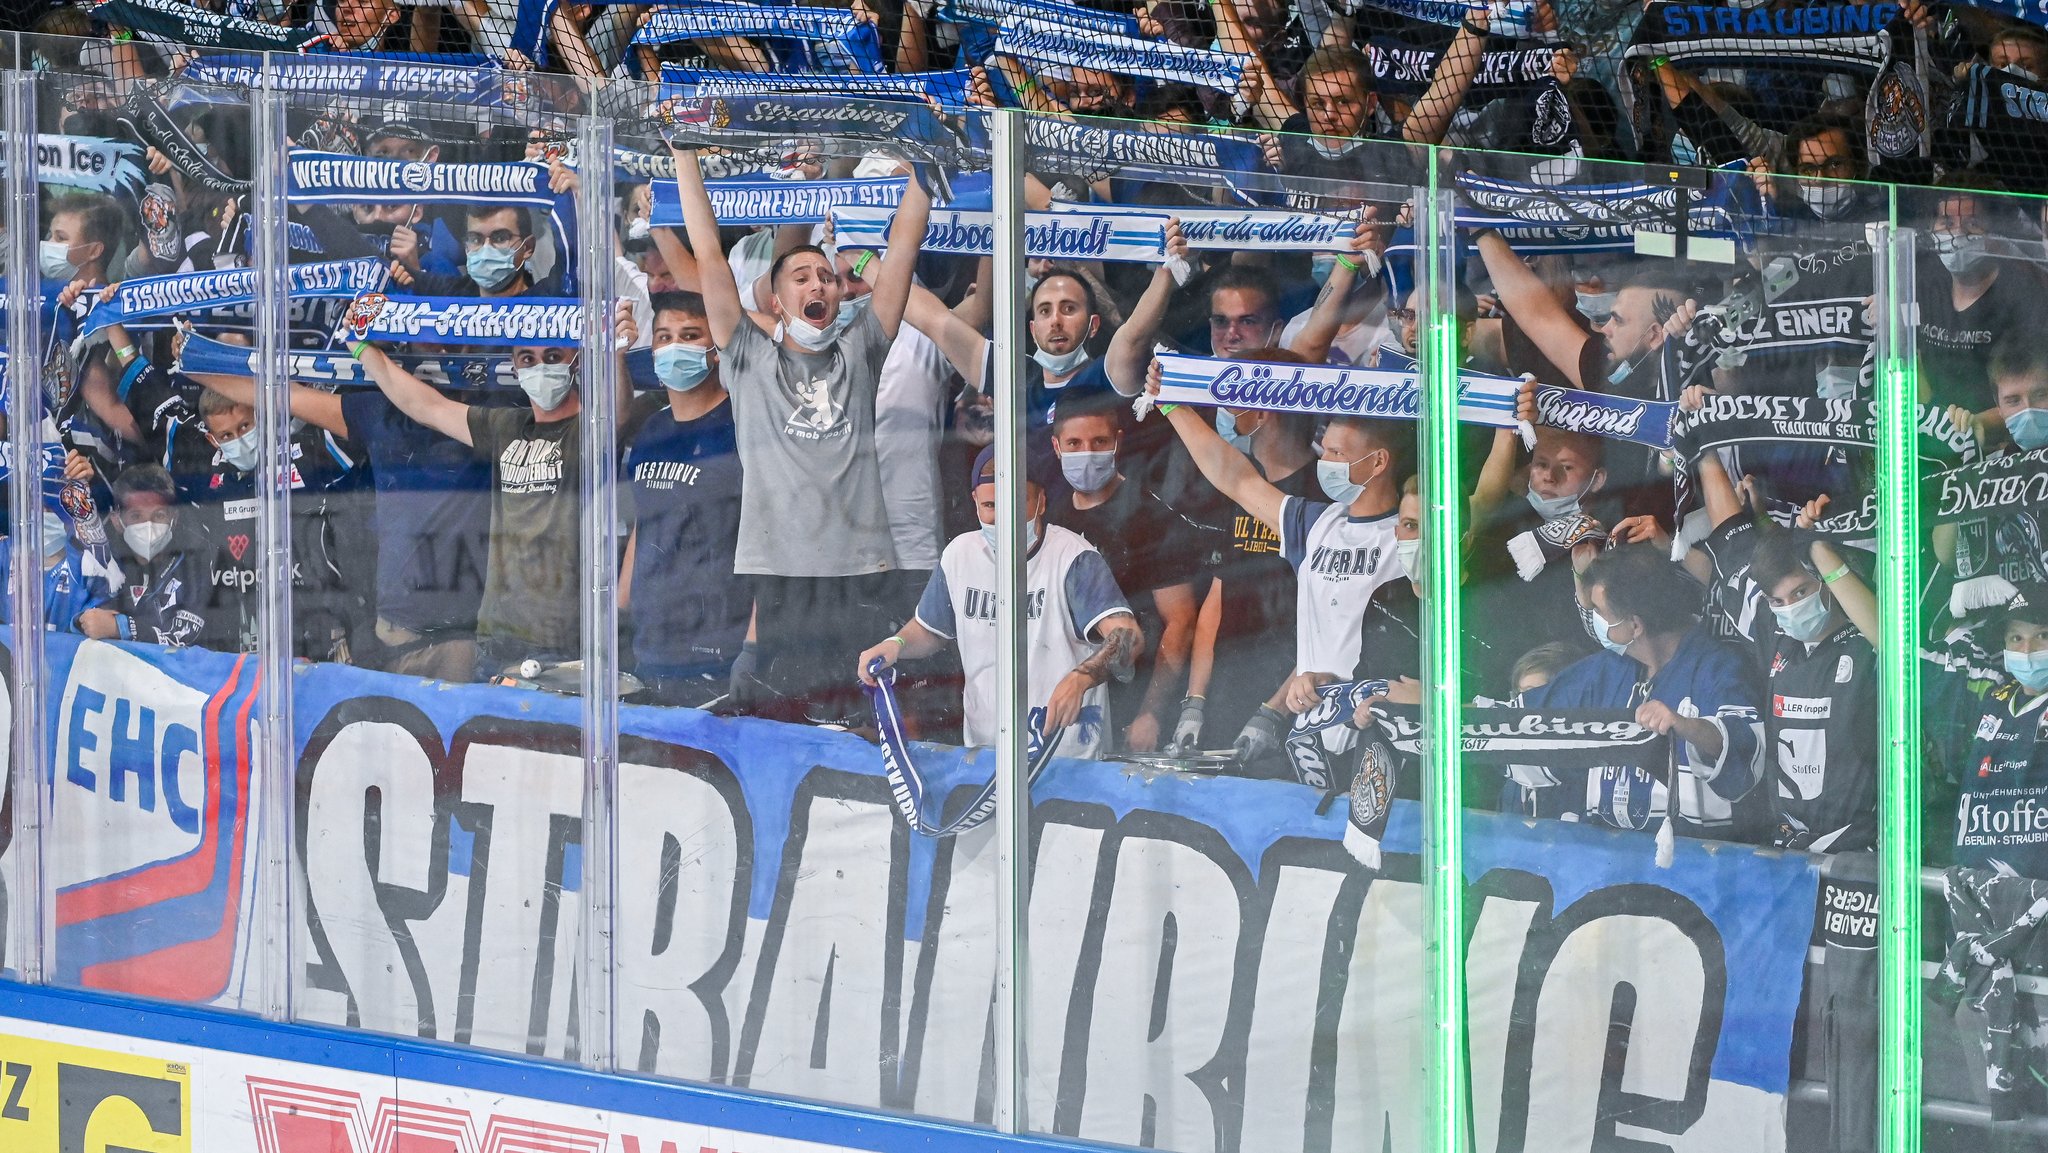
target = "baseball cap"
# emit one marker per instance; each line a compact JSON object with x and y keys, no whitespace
{"x":2029,"y":603}
{"x":399,"y":128}
{"x":985,"y":470}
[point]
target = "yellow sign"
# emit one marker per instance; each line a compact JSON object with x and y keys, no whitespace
{"x":70,"y":1099}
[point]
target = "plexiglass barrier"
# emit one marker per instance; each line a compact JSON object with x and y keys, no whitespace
{"x":597,"y":571}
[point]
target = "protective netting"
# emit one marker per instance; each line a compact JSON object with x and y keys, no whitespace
{"x":1921,"y":92}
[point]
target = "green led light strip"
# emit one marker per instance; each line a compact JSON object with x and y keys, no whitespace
{"x":1899,"y":783}
{"x":1443,"y":851}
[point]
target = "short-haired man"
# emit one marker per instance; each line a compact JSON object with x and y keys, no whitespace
{"x":1080,"y":632}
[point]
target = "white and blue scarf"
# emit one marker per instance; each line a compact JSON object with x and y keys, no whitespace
{"x":1044,"y":42}
{"x":908,"y":786}
{"x":519,"y":320}
{"x":1072,"y":236}
{"x":147,"y":297}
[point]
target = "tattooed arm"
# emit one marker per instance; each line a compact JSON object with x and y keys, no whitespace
{"x":1118,"y":657}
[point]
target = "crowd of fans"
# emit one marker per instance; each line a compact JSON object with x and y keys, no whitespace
{"x":806,"y":493}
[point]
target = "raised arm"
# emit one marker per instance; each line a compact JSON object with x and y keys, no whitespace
{"x":1527,"y":298}
{"x":963,"y":347}
{"x":320,"y":409}
{"x":899,"y":263}
{"x":1430,"y":117}
{"x":413,"y":396}
{"x":682,"y":263}
{"x":1229,"y":470}
{"x":1326,"y":319}
{"x":1130,"y":350}
{"x":722,"y":309}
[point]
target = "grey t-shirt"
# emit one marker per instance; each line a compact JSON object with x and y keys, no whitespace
{"x":530,"y":582}
{"x":812,"y":503}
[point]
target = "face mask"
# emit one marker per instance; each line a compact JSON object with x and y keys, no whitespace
{"x":1409,"y":553}
{"x":56,"y":538}
{"x":1031,"y":284}
{"x":682,"y":367}
{"x":810,"y":337}
{"x":241,"y":451}
{"x":1959,"y":254}
{"x":2028,"y":428}
{"x":1061,"y":364}
{"x":1089,"y":471}
{"x":638,"y":228}
{"x":147,"y":539}
{"x":2029,"y":669}
{"x":547,"y":384}
{"x":1329,"y":150}
{"x":56,"y":261}
{"x":2026,"y":74}
{"x":1684,"y":152}
{"x":1828,"y":201}
{"x":1335,"y":477}
{"x":1601,"y":627}
{"x":1226,"y":427}
{"x":1596,"y":306}
{"x":1320,"y":264}
{"x":491,"y":267}
{"x":1552,"y":507}
{"x":988,"y":533}
{"x":1837,"y":382}
{"x":850,"y":308}
{"x":1803,"y":619}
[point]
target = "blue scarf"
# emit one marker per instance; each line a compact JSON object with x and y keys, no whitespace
{"x":465,"y":79}
{"x":1328,"y":389}
{"x":181,"y":292}
{"x":525,"y":321}
{"x":949,"y":88}
{"x":845,"y":33}
{"x":1042,"y":42}
{"x":1066,"y":236}
{"x":170,"y":22}
{"x":1064,"y":146}
{"x":908,"y":786}
{"x":341,"y":178}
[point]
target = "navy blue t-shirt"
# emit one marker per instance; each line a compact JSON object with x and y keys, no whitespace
{"x":689,"y":610}
{"x":433,"y":516}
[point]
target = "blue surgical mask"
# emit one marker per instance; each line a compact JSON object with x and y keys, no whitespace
{"x":851,"y":306}
{"x":1061,"y":364}
{"x":681,"y":367}
{"x":491,"y":267}
{"x":1320,"y":264}
{"x":1596,"y":306}
{"x":2029,"y":669}
{"x":1335,"y":477}
{"x":1226,"y":427}
{"x":1089,"y":472}
{"x":55,"y":257}
{"x":241,"y":451}
{"x":1552,"y":507}
{"x":1803,"y":619}
{"x":2028,"y":428}
{"x":1601,"y":628}
{"x":988,"y":533}
{"x":56,"y":538}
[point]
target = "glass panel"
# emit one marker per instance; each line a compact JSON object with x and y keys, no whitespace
{"x":796,"y":455}
{"x":1216,"y":957}
{"x":1982,"y":365}
{"x":436,"y":525}
{"x":19,"y":836}
{"x":152,"y":865}
{"x":1672,"y":766}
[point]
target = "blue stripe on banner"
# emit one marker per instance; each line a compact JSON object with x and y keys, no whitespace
{"x":202,"y":355}
{"x":1048,"y":43}
{"x":465,"y":78}
{"x":153,"y":296}
{"x":949,"y":88}
{"x":747,"y":202}
{"x":841,"y":34}
{"x":1335,"y":390}
{"x":1065,"y":146}
{"x":1051,"y":235}
{"x":340,"y":178}
{"x":538,"y":322}
{"x":1273,"y":230}
{"x":1069,"y":16}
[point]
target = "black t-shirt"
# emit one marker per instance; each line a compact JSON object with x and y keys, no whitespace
{"x":682,"y":497}
{"x":433,"y":516}
{"x":1955,"y":347}
{"x":1506,"y":616}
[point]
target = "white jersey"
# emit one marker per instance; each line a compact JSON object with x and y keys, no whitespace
{"x":1071,"y":592}
{"x":1339,"y":561}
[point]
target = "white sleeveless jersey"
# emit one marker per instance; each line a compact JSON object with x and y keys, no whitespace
{"x":1055,"y":641}
{"x":1338,"y":563}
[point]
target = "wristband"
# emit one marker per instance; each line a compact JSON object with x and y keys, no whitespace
{"x":1167,"y":409}
{"x":1475,"y":29}
{"x":124,"y":355}
{"x":356,"y":349}
{"x":1347,"y":262}
{"x":901,"y":644}
{"x":1840,"y":572}
{"x":861,"y":262}
{"x":1657,"y":62}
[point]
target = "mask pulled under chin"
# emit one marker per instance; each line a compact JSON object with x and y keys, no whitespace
{"x":809,"y":336}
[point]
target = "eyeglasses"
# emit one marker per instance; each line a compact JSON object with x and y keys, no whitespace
{"x":1837,"y":167}
{"x":1401,"y":315}
{"x":502,"y":238}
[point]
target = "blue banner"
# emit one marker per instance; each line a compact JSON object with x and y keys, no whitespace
{"x":175,"y":293}
{"x":746,"y":202}
{"x":341,"y":178}
{"x":949,"y":88}
{"x":457,"y":78}
{"x":779,"y":927}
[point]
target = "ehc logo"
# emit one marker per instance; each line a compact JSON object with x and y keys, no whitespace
{"x":71,"y":1099}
